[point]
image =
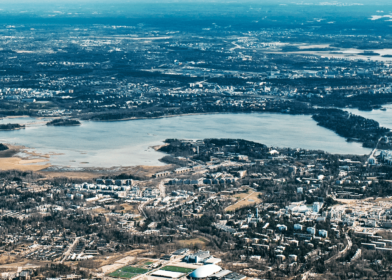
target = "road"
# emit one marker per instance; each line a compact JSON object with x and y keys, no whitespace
{"x":66,"y":254}
{"x":374,"y":151}
{"x":341,"y":253}
{"x":236,"y":47}
{"x":162,"y":190}
{"x":140,"y":208}
{"x":338,"y":255}
{"x":306,"y":274}
{"x":162,"y":187}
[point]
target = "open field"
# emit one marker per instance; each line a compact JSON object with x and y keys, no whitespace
{"x":244,"y":199}
{"x":144,"y":171}
{"x":177,"y":269}
{"x":12,"y":264}
{"x":128,"y":272}
{"x":100,"y":210}
{"x":116,"y":261}
{"x":91,"y":173}
{"x":129,"y":208}
{"x":34,"y":161}
{"x":201,"y":241}
{"x":23,"y":164}
{"x":71,"y":175}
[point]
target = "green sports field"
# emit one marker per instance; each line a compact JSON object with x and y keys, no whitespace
{"x":177,"y":269}
{"x":128,"y":272}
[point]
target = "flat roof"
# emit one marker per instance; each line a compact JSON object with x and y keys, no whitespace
{"x":234,"y":276}
{"x":181,"y":251}
{"x":167,"y":274}
{"x":221,"y":273}
{"x":213,"y":261}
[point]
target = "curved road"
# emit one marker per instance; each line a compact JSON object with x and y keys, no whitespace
{"x":343,"y":252}
{"x":338,"y":255}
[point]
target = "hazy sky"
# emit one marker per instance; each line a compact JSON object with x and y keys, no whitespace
{"x":49,"y":3}
{"x":184,"y":1}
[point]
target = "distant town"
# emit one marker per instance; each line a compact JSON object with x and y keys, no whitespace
{"x":160,"y":73}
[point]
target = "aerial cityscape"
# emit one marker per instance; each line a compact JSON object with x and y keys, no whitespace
{"x":192,"y":139}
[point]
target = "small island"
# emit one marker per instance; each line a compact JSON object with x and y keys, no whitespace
{"x":369,"y":53}
{"x":63,"y":122}
{"x":11,"y":126}
{"x":3,"y":147}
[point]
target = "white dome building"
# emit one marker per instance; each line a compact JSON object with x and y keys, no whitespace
{"x":205,"y":271}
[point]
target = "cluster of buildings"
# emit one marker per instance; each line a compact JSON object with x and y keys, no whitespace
{"x":26,"y":95}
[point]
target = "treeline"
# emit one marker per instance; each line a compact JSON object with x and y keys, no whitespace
{"x":63,"y":122}
{"x":351,"y":126}
{"x":19,"y":176}
{"x":54,"y":270}
{"x":11,"y":126}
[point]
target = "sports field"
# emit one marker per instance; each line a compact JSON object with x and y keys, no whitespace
{"x":177,"y":269}
{"x":128,"y":272}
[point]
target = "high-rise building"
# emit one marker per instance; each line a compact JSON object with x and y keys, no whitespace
{"x":316,"y":207}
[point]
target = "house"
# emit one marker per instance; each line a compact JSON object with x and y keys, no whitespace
{"x":168,"y":257}
{"x":280,"y":257}
{"x":323,"y":233}
{"x":311,"y":230}
{"x":281,"y":227}
{"x":297,"y":227}
{"x":162,"y":174}
{"x":292,"y":258}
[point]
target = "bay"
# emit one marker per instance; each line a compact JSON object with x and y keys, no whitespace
{"x":128,"y":143}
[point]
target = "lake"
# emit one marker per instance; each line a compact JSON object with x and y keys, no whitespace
{"x":343,"y":53}
{"x":127,"y":143}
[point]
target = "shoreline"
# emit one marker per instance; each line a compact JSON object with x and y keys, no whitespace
{"x":158,"y":147}
{"x":13,"y":129}
{"x":193,"y":114}
{"x":16,"y":117}
{"x":10,"y":160}
{"x":172,"y":116}
{"x":160,"y":117}
{"x":217,"y":113}
{"x":63,"y":124}
{"x":189,"y":114}
{"x":36,"y":162}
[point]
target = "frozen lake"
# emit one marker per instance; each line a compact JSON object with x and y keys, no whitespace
{"x":127,"y":143}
